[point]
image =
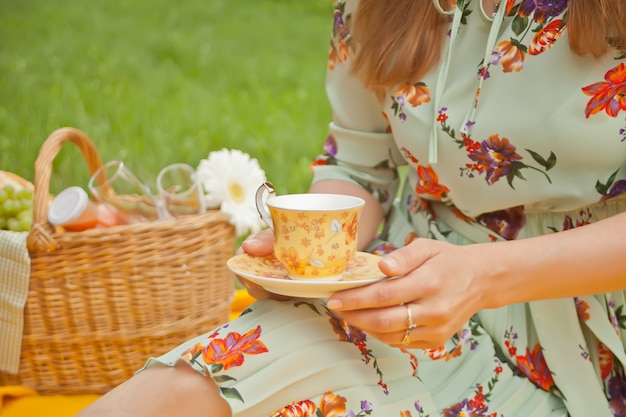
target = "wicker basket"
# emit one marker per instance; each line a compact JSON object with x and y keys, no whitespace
{"x":100,"y":302}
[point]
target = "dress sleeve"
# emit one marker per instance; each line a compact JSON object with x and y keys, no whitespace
{"x":359,"y":148}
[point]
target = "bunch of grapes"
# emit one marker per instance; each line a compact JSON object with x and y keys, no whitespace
{"x":16,"y":208}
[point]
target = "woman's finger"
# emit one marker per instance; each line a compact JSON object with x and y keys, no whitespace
{"x":386,"y":293}
{"x":259,"y":244}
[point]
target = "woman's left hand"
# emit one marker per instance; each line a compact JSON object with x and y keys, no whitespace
{"x":439,"y":282}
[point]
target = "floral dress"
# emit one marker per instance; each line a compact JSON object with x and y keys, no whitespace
{"x":511,"y":136}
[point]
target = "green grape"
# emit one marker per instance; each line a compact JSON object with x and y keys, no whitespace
{"x":10,"y":190}
{"x":26,"y":204}
{"x":25,"y":218}
{"x":14,"y":225}
{"x":16,"y":209}
{"x":9,"y":206}
{"x":24,"y":194}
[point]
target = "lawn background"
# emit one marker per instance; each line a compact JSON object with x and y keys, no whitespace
{"x":153,"y":82}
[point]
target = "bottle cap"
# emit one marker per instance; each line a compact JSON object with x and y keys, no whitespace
{"x":67,"y":206}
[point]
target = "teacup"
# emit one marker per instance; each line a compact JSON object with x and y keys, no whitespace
{"x":315,"y":235}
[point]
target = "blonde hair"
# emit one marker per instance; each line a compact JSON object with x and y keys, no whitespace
{"x":398,"y":44}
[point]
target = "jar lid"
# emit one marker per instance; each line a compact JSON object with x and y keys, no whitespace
{"x":67,"y":206}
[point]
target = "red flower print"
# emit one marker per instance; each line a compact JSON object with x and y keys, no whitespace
{"x":608,"y":95}
{"x":304,"y":408}
{"x":230,"y":351}
{"x":548,"y":35}
{"x":319,"y":162}
{"x":606,"y":360}
{"x":429,"y":182}
{"x":496,"y":157}
{"x":581,"y":309}
{"x":534,"y":366}
{"x":512,"y":56}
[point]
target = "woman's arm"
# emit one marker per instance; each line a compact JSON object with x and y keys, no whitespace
{"x":445,"y":284}
{"x":582,"y":261}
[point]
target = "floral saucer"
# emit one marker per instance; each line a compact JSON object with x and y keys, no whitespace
{"x":269,"y":273}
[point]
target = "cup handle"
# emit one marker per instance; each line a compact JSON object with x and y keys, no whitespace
{"x":268,"y":188}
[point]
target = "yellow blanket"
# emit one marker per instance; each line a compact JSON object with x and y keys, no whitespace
{"x":17,"y":401}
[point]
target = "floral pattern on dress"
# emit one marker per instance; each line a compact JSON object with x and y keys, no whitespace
{"x":537,"y":18}
{"x":221,"y":354}
{"x":532,"y":363}
{"x":354,"y":335}
{"x":464,"y":338}
{"x":428,"y":180}
{"x":339,"y":51}
{"x":330,"y":149}
{"x":496,"y":156}
{"x":506,"y":223}
{"x":608,"y":95}
{"x":330,"y":405}
{"x":415,"y":95}
{"x":418,"y":408}
{"x":478,"y":404}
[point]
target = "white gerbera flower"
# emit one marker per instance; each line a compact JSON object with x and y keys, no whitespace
{"x":230,"y":179}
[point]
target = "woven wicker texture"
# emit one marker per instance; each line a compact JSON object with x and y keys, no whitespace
{"x":102,"y":301}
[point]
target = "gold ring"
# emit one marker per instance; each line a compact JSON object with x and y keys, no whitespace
{"x":410,"y":326}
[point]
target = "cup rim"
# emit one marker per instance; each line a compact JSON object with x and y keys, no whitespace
{"x":322,"y":201}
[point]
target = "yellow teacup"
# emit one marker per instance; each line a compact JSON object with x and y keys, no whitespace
{"x":315,"y":235}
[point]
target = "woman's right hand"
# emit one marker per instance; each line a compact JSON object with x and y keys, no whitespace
{"x":259,"y":244}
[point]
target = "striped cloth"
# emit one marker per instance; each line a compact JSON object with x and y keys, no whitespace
{"x":14,"y":276}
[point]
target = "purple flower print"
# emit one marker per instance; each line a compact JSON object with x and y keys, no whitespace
{"x":330,"y":146}
{"x":542,"y":10}
{"x":507,"y":223}
{"x":617,"y":395}
{"x":465,"y":408}
{"x":496,"y":157}
{"x":617,"y":188}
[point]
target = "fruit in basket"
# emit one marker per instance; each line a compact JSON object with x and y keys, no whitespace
{"x":16,"y":208}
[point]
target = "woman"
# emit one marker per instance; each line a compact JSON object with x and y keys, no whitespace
{"x":510,"y":120}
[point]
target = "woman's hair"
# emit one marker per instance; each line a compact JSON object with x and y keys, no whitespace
{"x":398,"y":44}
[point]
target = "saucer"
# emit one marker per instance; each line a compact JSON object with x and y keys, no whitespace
{"x":270,"y":274}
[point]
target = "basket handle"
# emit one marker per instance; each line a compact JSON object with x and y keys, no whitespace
{"x":40,"y":235}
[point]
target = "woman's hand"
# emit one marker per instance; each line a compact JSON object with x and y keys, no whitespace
{"x":259,"y":244}
{"x":439,"y":282}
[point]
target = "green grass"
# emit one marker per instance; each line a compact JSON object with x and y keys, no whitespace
{"x":153,"y":82}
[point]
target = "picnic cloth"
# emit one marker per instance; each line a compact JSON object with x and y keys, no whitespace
{"x":14,"y":276}
{"x":17,"y":401}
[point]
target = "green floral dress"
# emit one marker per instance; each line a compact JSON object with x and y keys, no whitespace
{"x":512,"y":136}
